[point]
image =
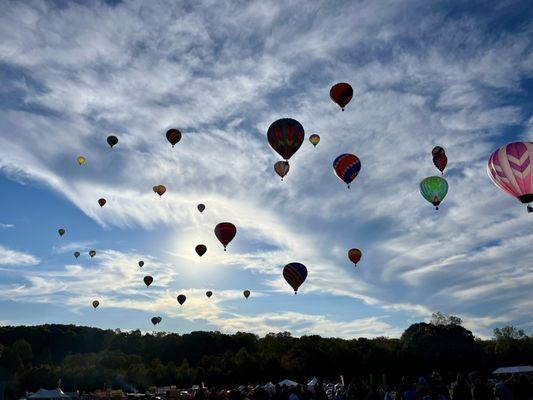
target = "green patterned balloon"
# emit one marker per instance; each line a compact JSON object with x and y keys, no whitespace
{"x":434,"y":189}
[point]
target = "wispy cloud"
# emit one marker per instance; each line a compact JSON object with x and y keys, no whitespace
{"x":16,"y":258}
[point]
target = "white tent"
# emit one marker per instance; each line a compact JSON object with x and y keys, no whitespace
{"x":49,"y":394}
{"x":270,"y":387}
{"x":288,"y":382}
{"x":311,"y":384}
{"x":522,"y":369}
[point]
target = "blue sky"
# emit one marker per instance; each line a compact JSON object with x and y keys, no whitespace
{"x":455,"y":74}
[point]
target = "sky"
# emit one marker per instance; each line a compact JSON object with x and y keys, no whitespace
{"x":455,"y":74}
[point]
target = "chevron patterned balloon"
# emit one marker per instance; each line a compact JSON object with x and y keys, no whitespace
{"x":509,"y":168}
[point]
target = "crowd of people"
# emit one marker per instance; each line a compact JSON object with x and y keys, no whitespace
{"x":471,"y":387}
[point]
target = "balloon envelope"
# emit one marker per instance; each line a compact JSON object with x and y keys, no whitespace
{"x":225,"y":232}
{"x":156,"y":320}
{"x":77,"y":254}
{"x":61,"y":231}
{"x":102,"y":202}
{"x":314,"y":139}
{"x":81,"y":160}
{"x":440,"y":161}
{"x":92,"y":253}
{"x":160,"y":190}
{"x":209,"y":293}
{"x":148,"y":280}
{"x":201,"y":207}
{"x":173,"y":136}
{"x":295,"y":274}
{"x":201,"y":249}
{"x":437,"y":150}
{"x":347,"y":167}
{"x":354,"y":255}
{"x":112,"y":140}
{"x":246,"y":293}
{"x":341,"y":93}
{"x":285,"y":136}
{"x":181,"y":299}
{"x":434,"y":189}
{"x":281,"y":168}
{"x":96,"y":303}
{"x":510,"y":169}
{"x":141,"y":263}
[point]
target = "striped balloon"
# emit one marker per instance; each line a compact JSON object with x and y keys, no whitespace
{"x":295,"y":274}
{"x":225,"y":232}
{"x":286,"y":135}
{"x":434,"y":189}
{"x":173,"y":136}
{"x":347,"y":166}
{"x":281,"y":168}
{"x":509,"y":167}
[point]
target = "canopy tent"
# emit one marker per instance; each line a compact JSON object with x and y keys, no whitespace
{"x":270,"y":387}
{"x":288,"y":382}
{"x":521,"y":369}
{"x":49,"y":394}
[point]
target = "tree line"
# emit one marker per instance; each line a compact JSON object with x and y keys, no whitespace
{"x":87,"y":358}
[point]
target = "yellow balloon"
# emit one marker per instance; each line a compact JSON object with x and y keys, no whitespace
{"x":81,"y":160}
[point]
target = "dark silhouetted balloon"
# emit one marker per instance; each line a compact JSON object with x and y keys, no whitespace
{"x":295,"y":274}
{"x":92,"y":253}
{"x":141,"y":263}
{"x":201,"y":249}
{"x":102,"y":202}
{"x":437,"y":150}
{"x":440,"y":161}
{"x":61,"y":232}
{"x":201,"y":207}
{"x":148,"y":280}
{"x":246,"y":293}
{"x":96,"y":303}
{"x":285,"y":136}
{"x":225,"y":232}
{"x":77,"y":254}
{"x":354,"y":255}
{"x":160,"y":190}
{"x":181,"y":299}
{"x":156,"y":320}
{"x":341,"y":93}
{"x":209,"y":293}
{"x":347,"y":167}
{"x":173,"y":136}
{"x":112,"y":140}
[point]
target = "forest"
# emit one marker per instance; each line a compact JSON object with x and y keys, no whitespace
{"x":87,"y":358}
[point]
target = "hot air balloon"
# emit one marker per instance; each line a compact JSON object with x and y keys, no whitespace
{"x":437,"y":150}
{"x":354,"y":255}
{"x":112,"y":140}
{"x":225,"y":232}
{"x":295,"y":274}
{"x":148,"y":280}
{"x":156,"y":320}
{"x":314,"y":139}
{"x":181,"y":299}
{"x":434,"y":189}
{"x":246,"y":293}
{"x":509,"y":168}
{"x":440,"y":161}
{"x":285,"y":136}
{"x":92,"y":253}
{"x":96,"y":303}
{"x":209,"y":293}
{"x":341,"y":93}
{"x":61,"y":231}
{"x":346,"y":167}
{"x":281,"y":168}
{"x":102,"y":202}
{"x":200,"y":207}
{"x":81,"y":160}
{"x":77,"y":254}
{"x":173,"y":136}
{"x":201,"y":249}
{"x":141,"y":263}
{"x":160,"y":190}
